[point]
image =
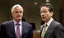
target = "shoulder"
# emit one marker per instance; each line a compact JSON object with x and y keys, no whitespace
{"x":55,"y":23}
{"x":7,"y":22}
{"x":26,"y":24}
{"x":58,"y":25}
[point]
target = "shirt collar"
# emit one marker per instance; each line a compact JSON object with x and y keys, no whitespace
{"x":20,"y":22}
{"x":49,"y":22}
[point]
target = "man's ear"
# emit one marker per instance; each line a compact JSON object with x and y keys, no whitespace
{"x":52,"y":13}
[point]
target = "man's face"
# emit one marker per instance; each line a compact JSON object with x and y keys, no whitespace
{"x":45,"y":14}
{"x":17,"y":13}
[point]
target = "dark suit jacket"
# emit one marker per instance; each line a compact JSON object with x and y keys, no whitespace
{"x":55,"y":30}
{"x":8,"y":31}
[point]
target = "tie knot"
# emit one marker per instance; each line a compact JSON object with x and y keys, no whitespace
{"x":45,"y":25}
{"x":17,"y":24}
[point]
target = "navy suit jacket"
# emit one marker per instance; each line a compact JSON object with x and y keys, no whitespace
{"x":55,"y":30}
{"x":8,"y":31}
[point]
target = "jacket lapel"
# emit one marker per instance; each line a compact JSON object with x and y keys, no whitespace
{"x":23,"y":29}
{"x":41,"y":29}
{"x":12,"y":28}
{"x":49,"y":28}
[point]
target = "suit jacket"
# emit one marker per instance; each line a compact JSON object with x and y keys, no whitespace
{"x":55,"y":30}
{"x":8,"y":31}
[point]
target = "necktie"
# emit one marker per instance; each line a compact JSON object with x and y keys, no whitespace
{"x":44,"y":30}
{"x":18,"y":31}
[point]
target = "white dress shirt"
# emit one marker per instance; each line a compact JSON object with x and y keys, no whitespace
{"x":15,"y":26}
{"x":49,"y":22}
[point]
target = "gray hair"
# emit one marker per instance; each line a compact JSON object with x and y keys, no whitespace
{"x":17,"y":5}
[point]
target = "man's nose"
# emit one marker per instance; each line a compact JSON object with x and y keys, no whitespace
{"x":42,"y":13}
{"x":18,"y":12}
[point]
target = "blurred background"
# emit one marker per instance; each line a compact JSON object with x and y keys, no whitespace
{"x":31,"y":10}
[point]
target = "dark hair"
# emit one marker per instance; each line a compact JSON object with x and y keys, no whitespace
{"x":48,"y":5}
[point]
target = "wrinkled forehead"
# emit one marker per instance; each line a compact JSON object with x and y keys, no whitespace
{"x":16,"y":7}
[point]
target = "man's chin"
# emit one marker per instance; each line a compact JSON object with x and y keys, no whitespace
{"x":18,"y":19}
{"x":43,"y":20}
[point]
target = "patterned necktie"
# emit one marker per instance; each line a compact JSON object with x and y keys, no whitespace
{"x":18,"y":31}
{"x":44,"y":30}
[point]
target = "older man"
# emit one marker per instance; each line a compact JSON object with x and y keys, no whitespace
{"x":16,"y":28}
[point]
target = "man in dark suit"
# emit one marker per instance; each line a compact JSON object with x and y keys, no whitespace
{"x":51,"y":28}
{"x":16,"y":28}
